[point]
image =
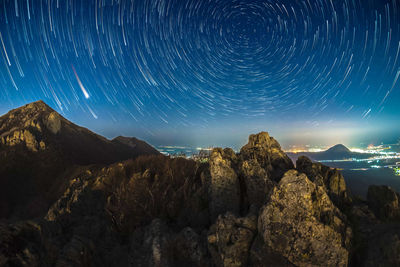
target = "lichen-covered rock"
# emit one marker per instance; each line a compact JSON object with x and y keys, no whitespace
{"x":331,"y":179}
{"x":268,"y":153}
{"x":230,"y":238}
{"x":224,"y":186}
{"x":301,"y":223}
{"x":256,"y":181}
{"x":384,"y":202}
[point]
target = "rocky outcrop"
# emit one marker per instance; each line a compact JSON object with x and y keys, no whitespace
{"x":384,"y":202}
{"x":224,"y":186}
{"x":24,"y":137}
{"x":331,"y":179}
{"x":53,"y":122}
{"x":237,"y":209}
{"x":157,"y":245}
{"x":256,"y":182}
{"x":268,"y":153}
{"x":241,"y":180}
{"x":302,"y":224}
{"x":230,"y":238}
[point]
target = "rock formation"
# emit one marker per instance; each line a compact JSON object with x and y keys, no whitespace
{"x":331,"y":179}
{"x":225,"y":189}
{"x":302,"y":224}
{"x":384,"y":202}
{"x":230,"y":239}
{"x":267,"y":152}
{"x":250,"y":208}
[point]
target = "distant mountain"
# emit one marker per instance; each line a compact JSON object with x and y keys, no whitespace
{"x":337,"y":152}
{"x":38,"y":147}
{"x":339,"y":149}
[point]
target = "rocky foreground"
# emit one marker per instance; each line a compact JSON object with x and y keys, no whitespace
{"x":253,"y":208}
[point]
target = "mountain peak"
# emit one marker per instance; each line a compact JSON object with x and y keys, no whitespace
{"x":39,"y":105}
{"x":339,"y":148}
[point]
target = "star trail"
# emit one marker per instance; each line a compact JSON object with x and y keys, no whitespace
{"x":157,"y":67}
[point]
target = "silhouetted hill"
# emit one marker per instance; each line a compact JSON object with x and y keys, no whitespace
{"x":338,"y":149}
{"x":337,"y":152}
{"x":38,"y":146}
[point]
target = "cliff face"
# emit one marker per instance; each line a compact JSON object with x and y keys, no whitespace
{"x":251,"y":208}
{"x":39,"y":150}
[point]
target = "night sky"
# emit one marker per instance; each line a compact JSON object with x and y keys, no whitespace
{"x":208,"y":72}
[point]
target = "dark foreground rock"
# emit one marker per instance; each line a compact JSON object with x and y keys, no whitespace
{"x":384,"y":202}
{"x":331,"y":179}
{"x":238,"y":209}
{"x":301,"y":223}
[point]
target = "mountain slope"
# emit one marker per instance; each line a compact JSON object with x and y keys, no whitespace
{"x":38,"y":147}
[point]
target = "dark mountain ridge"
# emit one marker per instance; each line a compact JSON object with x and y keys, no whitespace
{"x":38,"y":147}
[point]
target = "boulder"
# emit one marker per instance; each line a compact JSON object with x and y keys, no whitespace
{"x":384,"y":202}
{"x":150,"y":245}
{"x":301,"y":223}
{"x":230,"y":238}
{"x":331,"y":179}
{"x":268,"y":153}
{"x":158,"y":245}
{"x":224,"y":187}
{"x":256,"y":182}
{"x":190,"y":249}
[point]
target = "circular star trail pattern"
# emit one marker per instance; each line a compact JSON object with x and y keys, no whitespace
{"x":173,"y":62}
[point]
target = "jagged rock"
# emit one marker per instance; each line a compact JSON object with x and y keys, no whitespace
{"x":256,"y":182}
{"x":331,"y":179}
{"x":149,"y":246}
{"x":80,"y":199}
{"x":383,"y":247}
{"x":158,"y":245}
{"x":225,"y":189}
{"x":384,"y":202}
{"x":301,"y":223}
{"x":261,"y":255}
{"x":230,"y":238}
{"x":189,"y":249}
{"x":268,"y":153}
{"x":375,"y":243}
